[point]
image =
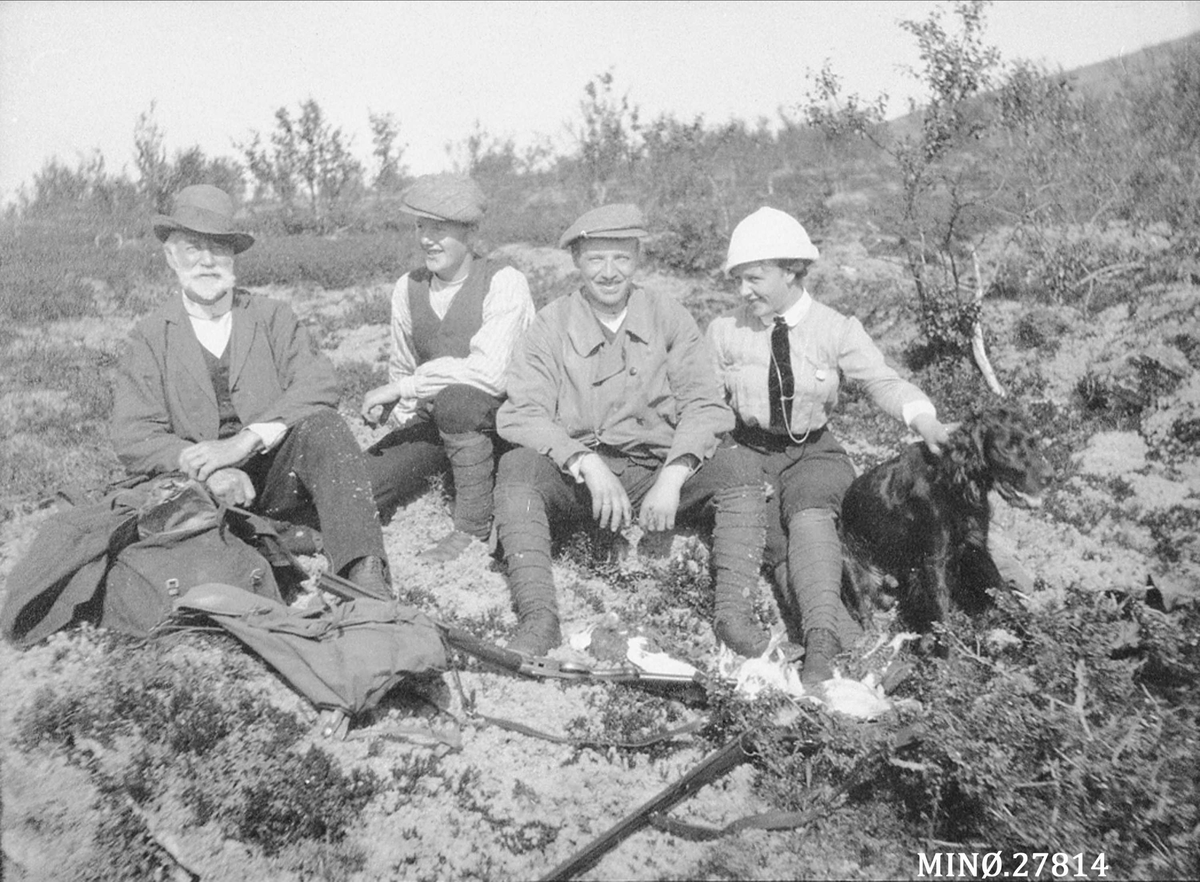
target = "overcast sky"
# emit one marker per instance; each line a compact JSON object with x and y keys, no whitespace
{"x":74,"y":76}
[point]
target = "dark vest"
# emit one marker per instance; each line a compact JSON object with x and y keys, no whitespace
{"x":450,"y":336}
{"x":218,"y":370}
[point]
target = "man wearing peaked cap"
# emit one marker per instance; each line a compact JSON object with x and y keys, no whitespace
{"x":616,"y":407}
{"x":455,"y":321}
{"x":226,"y":387}
{"x":617,"y":221}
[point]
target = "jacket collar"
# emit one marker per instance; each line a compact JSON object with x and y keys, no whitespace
{"x":585,"y":330}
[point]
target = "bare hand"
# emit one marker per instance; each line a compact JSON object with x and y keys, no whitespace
{"x":231,"y":487}
{"x":201,"y":460}
{"x":662,"y":502}
{"x":932,"y":432}
{"x":375,"y":406}
{"x":610,"y":502}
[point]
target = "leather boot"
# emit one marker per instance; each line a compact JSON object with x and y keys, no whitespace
{"x":370,"y":573}
{"x":473,"y":467}
{"x":738,"y":537}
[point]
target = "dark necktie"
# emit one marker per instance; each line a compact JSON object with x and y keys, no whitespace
{"x":780,"y":381}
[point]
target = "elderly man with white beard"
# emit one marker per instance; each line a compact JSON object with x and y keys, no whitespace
{"x":226,"y":387}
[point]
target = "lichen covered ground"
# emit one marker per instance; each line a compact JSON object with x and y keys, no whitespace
{"x":458,"y":798}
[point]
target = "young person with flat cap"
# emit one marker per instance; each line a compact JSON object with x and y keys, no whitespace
{"x":455,"y":321}
{"x":226,"y":387}
{"x":778,"y":356}
{"x":616,"y":408}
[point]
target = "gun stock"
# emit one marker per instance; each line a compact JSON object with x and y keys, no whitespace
{"x":489,"y":652}
{"x":344,"y":588}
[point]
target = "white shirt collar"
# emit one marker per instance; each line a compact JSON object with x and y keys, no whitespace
{"x":208,"y":312}
{"x":795,"y":313}
{"x":612,"y":322}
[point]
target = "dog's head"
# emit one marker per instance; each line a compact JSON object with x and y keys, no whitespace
{"x":999,"y":448}
{"x":1013,"y":453}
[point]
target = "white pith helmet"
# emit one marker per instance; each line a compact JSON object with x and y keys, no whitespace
{"x":768,"y":234}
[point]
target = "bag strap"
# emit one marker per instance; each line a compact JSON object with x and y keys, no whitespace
{"x":774,"y":820}
{"x":672,"y":734}
{"x":712,"y":767}
{"x":76,"y":494}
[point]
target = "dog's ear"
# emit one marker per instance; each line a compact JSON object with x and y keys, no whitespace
{"x":957,"y":456}
{"x":980,"y":433}
{"x":965,"y":455}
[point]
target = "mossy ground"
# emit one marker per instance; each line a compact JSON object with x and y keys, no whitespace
{"x":1079,"y":736}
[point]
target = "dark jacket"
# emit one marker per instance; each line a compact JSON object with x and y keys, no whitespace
{"x":163,"y":396}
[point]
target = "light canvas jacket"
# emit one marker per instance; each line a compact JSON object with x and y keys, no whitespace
{"x":163,"y":398}
{"x":650,"y":392}
{"x":823,"y":342}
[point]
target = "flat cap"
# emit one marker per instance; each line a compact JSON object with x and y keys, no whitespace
{"x":445,"y":197}
{"x":621,"y":220}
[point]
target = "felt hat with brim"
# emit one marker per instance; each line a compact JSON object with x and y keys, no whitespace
{"x":445,"y":197}
{"x":203,"y":208}
{"x":621,"y":220}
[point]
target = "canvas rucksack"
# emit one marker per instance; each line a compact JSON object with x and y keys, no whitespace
{"x":184,"y":539}
{"x":121,"y":561}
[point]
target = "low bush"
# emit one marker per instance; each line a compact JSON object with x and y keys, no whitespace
{"x":54,"y":422}
{"x":374,"y":307}
{"x":58,"y":270}
{"x":626,"y":716}
{"x":1091,"y":266}
{"x":1041,"y":730}
{"x":355,"y":379}
{"x":197,"y":721}
{"x":294,"y":797}
{"x":330,"y":262}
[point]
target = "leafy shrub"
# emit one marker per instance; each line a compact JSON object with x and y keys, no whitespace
{"x":168,"y":700}
{"x":1080,"y":717}
{"x":686,"y":584}
{"x":355,"y":379}
{"x":126,"y":848}
{"x":626,"y":716}
{"x":199,"y":723}
{"x":373,"y":308}
{"x":730,"y":714}
{"x":51,"y":270}
{"x":331,"y":263}
{"x":1039,"y":328}
{"x":1092,"y":266}
{"x":956,"y":387}
{"x":274,"y":804}
{"x":54,"y":429}
{"x":532,"y":209}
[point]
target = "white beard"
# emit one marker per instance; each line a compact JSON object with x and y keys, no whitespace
{"x":204,"y":288}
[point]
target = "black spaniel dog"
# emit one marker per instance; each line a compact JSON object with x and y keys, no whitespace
{"x":923,"y":518}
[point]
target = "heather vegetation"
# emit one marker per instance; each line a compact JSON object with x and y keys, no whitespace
{"x":1052,"y":217}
